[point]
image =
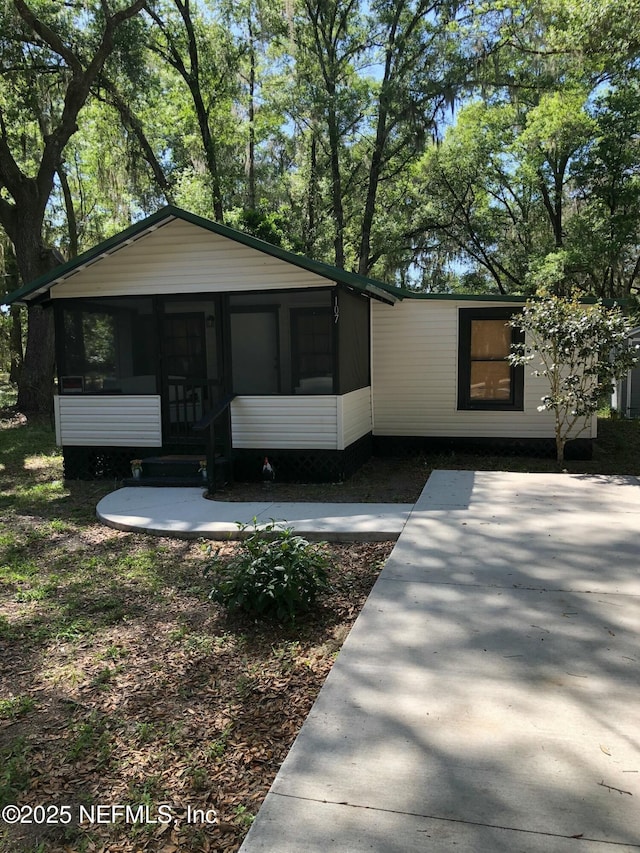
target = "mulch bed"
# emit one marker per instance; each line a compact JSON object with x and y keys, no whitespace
{"x":380,"y":480}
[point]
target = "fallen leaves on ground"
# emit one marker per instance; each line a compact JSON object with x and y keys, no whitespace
{"x":160,"y":699}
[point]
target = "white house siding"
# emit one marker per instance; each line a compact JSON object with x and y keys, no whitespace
{"x":285,"y":423}
{"x":626,"y":397}
{"x":415,"y":377}
{"x":354,"y":416}
{"x":108,"y":421}
{"x":182,"y":257}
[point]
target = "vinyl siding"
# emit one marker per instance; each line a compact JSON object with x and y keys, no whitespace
{"x":118,"y":421}
{"x":181,"y":258}
{"x":354,"y":416}
{"x":285,"y":423}
{"x":626,"y":397}
{"x":415,"y":375}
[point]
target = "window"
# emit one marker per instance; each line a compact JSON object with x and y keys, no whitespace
{"x":184,"y":348}
{"x":486,"y":380}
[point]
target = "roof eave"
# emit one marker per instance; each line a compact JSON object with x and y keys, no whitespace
{"x":35,"y":290}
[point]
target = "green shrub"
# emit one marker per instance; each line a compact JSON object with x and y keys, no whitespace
{"x":275,"y":574}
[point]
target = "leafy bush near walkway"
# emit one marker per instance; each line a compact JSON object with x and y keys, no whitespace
{"x":276,"y":573}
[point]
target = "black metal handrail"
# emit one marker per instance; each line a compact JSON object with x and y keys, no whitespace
{"x":187,"y":399}
{"x":209,"y":417}
{"x":208,"y":422}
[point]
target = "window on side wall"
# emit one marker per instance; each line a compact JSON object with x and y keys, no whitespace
{"x":486,"y":380}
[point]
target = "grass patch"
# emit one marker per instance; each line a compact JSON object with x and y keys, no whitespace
{"x":15,"y":770}
{"x":91,"y":738}
{"x":8,"y":392}
{"x":16,"y":706}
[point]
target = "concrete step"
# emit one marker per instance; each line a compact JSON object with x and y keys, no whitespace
{"x":173,"y":470}
{"x":165,"y":480}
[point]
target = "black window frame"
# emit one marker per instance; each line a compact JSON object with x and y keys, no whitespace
{"x":515,"y":403}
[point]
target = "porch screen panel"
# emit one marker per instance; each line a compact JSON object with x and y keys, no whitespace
{"x":312,"y":350}
{"x":254,"y":351}
{"x":353,"y":342}
{"x":282,"y":342}
{"x":108,"y":346}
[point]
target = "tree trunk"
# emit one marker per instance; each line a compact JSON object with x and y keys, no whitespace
{"x":560,"y":441}
{"x":372,"y":191}
{"x":251,"y":144}
{"x":35,"y":391}
{"x":336,"y":185}
{"x":15,"y":345}
{"x":312,"y":193}
{"x":209,"y":151}
{"x":72,"y":222}
{"x":378,"y":152}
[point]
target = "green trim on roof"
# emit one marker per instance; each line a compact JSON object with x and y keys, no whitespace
{"x":362,"y":284}
{"x":622,"y":301}
{"x":167,"y":214}
{"x":89,"y":256}
{"x":461,"y":297}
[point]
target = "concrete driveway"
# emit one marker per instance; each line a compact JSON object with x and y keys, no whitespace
{"x":488,"y":696}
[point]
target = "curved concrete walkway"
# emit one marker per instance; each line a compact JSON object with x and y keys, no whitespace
{"x":186,"y":513}
{"x":487,"y":699}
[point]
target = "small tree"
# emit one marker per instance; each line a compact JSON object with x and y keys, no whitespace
{"x":581,"y":349}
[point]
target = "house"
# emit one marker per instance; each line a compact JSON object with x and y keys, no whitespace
{"x":183,"y":338}
{"x":626,"y":397}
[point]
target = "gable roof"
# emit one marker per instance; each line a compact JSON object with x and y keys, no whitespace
{"x":353,"y":281}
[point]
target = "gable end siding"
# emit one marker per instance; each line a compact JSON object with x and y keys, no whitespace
{"x":182,"y":258}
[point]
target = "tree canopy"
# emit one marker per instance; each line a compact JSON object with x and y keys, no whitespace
{"x":435,"y":144}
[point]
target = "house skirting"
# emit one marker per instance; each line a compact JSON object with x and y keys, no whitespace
{"x":303,"y":466}
{"x":404,"y":445}
{"x":316,"y":466}
{"x":113,"y":463}
{"x":292,"y":466}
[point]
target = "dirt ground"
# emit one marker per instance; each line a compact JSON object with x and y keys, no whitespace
{"x":380,"y":480}
{"x":122,"y":684}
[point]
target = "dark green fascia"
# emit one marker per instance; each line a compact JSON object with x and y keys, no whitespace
{"x":462,"y":297}
{"x":370,"y":287}
{"x":622,"y":301}
{"x":42,"y":283}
